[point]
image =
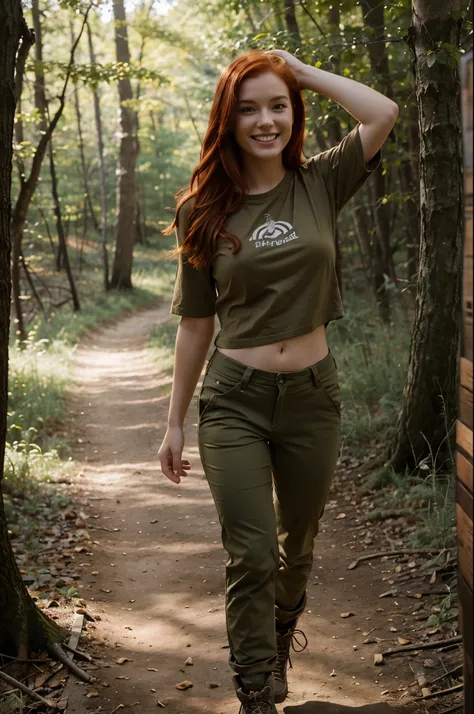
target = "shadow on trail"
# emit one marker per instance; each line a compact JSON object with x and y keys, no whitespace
{"x":328,"y":708}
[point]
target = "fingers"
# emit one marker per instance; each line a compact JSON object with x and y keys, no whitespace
{"x":166,"y":462}
{"x":176,"y":458}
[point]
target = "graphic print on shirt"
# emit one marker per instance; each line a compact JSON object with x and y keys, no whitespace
{"x":273,"y":233}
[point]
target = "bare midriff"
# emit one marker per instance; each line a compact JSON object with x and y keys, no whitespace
{"x":285,"y":356}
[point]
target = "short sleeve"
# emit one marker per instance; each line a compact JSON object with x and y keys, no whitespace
{"x":194,"y":291}
{"x":344,"y":168}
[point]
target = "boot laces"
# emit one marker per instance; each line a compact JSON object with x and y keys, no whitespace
{"x":256,"y":706}
{"x":284,"y":642}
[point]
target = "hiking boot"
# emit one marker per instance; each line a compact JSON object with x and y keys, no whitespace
{"x":256,"y":702}
{"x":286,"y":637}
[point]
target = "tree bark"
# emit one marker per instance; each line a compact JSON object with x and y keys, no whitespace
{"x":26,"y":44}
{"x":374,"y":20}
{"x":126,"y":184}
{"x":28,"y":187}
{"x":60,"y":229}
{"x":85,"y":180}
{"x":428,"y":409}
{"x":102,"y":175}
{"x":22,"y":625}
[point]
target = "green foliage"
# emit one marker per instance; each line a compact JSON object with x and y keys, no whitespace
{"x":372,"y":361}
{"x":28,"y":468}
{"x":162,"y":342}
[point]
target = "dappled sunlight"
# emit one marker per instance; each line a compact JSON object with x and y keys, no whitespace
{"x":159,"y":565}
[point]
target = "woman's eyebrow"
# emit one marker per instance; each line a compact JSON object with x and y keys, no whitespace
{"x":253,"y":101}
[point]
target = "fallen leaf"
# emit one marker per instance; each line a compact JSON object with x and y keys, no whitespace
{"x":122,"y":660}
{"x":122,"y":676}
{"x":213,"y":685}
{"x":393,"y":629}
{"x":403,"y":641}
{"x":429,"y":663}
{"x":341,"y":515}
{"x":346,"y":614}
{"x":189,"y":661}
{"x":378,"y":659}
{"x":186,"y":684}
{"x":333,"y":673}
{"x":152,"y":669}
{"x":160,"y":704}
{"x":104,"y":590}
{"x":92,"y":694}
{"x":87,"y":615}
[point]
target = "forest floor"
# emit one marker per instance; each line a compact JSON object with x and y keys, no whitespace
{"x":153,"y":570}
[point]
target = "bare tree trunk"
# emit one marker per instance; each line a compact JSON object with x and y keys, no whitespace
{"x":28,"y":185}
{"x":384,"y":269}
{"x":60,"y":229}
{"x":85,"y":180}
{"x":102,"y":176}
{"x":17,"y":235}
{"x":22,"y":626}
{"x":126,"y":185}
{"x":428,"y":409}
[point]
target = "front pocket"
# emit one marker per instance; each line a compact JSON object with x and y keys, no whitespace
{"x":330,"y":385}
{"x":215,"y":386}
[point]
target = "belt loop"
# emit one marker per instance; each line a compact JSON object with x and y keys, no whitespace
{"x":314,"y":372}
{"x":244,"y":382}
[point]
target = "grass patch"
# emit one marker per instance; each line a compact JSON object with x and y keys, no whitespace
{"x":39,"y":373}
{"x":162,"y":342}
{"x":372,"y":360}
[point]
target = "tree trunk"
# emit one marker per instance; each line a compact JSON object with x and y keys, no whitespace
{"x":428,"y":409}
{"x":374,"y":21}
{"x":60,"y":230}
{"x":102,"y":176}
{"x":22,"y":625}
{"x":85,"y":180}
{"x":28,"y":185}
{"x":126,"y":184}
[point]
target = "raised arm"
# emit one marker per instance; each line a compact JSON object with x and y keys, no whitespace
{"x":193,"y":340}
{"x":375,"y":112}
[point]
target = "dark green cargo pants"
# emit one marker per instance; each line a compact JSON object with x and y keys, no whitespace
{"x":269,"y":444}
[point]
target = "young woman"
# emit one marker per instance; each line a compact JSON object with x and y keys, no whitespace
{"x":256,"y":246}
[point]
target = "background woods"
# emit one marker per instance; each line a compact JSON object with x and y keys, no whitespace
{"x":102,"y":110}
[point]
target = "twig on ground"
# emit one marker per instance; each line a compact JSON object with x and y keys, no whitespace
{"x":58,"y":653}
{"x":83,"y":656}
{"x":456,"y":708}
{"x":423,"y":646}
{"x":23,"y":661}
{"x":26,"y":690}
{"x":442,"y":692}
{"x":446,"y":674}
{"x":405,"y":551}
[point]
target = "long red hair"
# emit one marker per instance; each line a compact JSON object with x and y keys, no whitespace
{"x":217,"y":183}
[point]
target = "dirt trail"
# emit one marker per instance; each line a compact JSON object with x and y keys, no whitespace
{"x":164,"y":565}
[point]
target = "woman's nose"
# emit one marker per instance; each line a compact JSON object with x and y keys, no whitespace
{"x":265,"y":118}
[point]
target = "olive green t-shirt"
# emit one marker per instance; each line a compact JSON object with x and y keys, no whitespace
{"x":282,"y":282}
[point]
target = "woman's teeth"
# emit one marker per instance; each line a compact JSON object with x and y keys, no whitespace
{"x":266,"y":137}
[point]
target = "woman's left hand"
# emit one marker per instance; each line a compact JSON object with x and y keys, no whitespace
{"x":297,"y":66}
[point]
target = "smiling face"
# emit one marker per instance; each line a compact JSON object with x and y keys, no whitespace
{"x":264,"y":117}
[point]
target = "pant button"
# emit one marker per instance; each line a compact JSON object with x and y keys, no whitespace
{"x":281,"y":380}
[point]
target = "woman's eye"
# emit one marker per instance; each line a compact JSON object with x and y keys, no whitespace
{"x":245,"y":110}
{"x":279,"y":107}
